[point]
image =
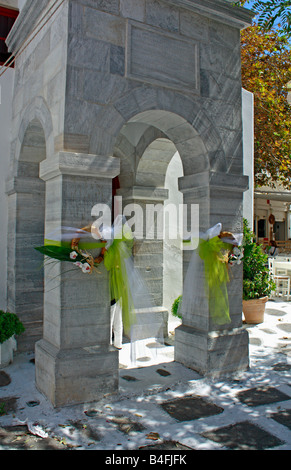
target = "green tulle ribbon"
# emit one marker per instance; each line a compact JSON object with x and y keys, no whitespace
{"x":212,"y":252}
{"x":114,"y":262}
{"x":85,"y":246}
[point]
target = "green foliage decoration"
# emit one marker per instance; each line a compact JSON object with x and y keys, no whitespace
{"x":175,"y":307}
{"x":59,"y":253}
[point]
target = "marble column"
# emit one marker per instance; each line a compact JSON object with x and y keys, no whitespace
{"x":148,"y":248}
{"x":200,"y":344}
{"x":74,"y":361}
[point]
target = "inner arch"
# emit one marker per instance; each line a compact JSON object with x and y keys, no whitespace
{"x":175,"y":131}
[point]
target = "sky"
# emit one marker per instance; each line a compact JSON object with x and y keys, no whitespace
{"x":249,"y":4}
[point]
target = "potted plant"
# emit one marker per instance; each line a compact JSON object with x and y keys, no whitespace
{"x":10,"y":325}
{"x":257,"y":283}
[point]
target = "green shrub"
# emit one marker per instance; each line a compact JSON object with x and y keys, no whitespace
{"x":175,"y":307}
{"x":9,"y":325}
{"x":256,"y":277}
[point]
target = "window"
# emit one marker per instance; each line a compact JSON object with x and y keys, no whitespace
{"x":262,"y":228}
{"x":7,"y":19}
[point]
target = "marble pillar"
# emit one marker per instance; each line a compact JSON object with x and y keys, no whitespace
{"x":200,"y":344}
{"x":74,"y":361}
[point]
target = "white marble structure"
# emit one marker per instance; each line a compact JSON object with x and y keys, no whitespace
{"x":116,"y":88}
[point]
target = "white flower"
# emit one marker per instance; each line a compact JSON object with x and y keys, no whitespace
{"x":86,"y":268}
{"x":79,"y":264}
{"x":73,"y":255}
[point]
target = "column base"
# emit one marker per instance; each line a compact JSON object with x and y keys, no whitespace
{"x":69,"y":377}
{"x":213,"y":353}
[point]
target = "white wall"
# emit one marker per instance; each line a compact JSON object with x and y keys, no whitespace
{"x":6,"y":84}
{"x":248,"y":145}
{"x":173,"y":261}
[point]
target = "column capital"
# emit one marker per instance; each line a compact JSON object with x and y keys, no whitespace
{"x":23,"y":185}
{"x":79,"y":164}
{"x":214,"y":180}
{"x":142,"y":193}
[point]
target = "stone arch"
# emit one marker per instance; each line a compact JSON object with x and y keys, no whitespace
{"x":181,"y":133}
{"x":27,"y":223}
{"x":179,"y":117}
{"x":36,"y":114}
{"x":153,"y":164}
{"x":132,"y":126}
{"x":146,"y":146}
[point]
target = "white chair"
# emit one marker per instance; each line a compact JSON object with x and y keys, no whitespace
{"x":280,"y":272}
{"x":281,"y":279}
{"x":271,"y":265}
{"x":282,"y":286}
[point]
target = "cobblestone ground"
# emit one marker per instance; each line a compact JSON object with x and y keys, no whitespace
{"x":164,"y":406}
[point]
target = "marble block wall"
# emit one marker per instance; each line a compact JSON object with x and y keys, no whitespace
{"x":104,"y":81}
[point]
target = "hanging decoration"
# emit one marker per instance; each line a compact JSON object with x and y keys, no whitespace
{"x":217,"y":251}
{"x":113,"y":254}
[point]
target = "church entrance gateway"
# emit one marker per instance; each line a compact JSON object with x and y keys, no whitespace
{"x":118,"y":91}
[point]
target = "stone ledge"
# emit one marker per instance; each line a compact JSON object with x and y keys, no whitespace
{"x":79,"y":164}
{"x":144,"y":193}
{"x":213,"y":180}
{"x":25,"y":23}
{"x":218,"y":10}
{"x":23,"y":185}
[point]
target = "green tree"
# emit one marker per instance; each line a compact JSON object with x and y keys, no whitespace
{"x":271,"y":12}
{"x":266,"y":70}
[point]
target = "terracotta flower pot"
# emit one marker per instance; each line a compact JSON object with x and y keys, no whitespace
{"x":254,"y":310}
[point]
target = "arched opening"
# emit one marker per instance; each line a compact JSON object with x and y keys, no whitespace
{"x":156,"y":149}
{"x":27,"y":214}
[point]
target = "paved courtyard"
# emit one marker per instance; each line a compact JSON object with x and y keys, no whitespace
{"x":162,"y":404}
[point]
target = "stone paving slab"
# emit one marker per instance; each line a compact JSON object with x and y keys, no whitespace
{"x":243,"y":436}
{"x":167,"y":445}
{"x":283,"y":417}
{"x":8,"y":405}
{"x":189,"y":408}
{"x":4,"y":379}
{"x":261,"y":396}
{"x":19,"y":438}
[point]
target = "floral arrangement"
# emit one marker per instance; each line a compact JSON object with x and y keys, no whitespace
{"x":219,"y":250}
{"x":236,"y":256}
{"x":72,"y":253}
{"x":79,"y":258}
{"x":113,"y":254}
